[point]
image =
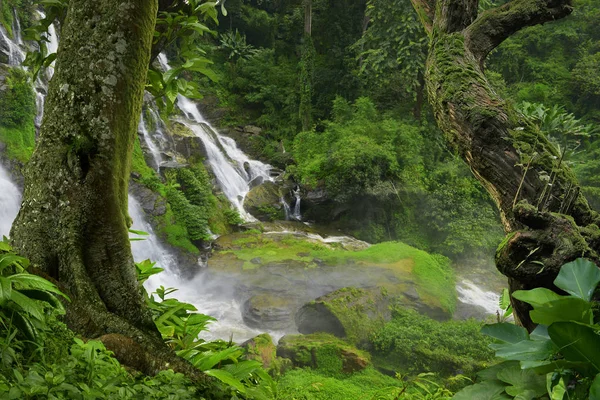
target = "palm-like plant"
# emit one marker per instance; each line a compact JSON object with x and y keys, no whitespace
{"x":24,"y":297}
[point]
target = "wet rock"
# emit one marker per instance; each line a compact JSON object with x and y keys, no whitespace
{"x":264,"y":202}
{"x":268,"y":311}
{"x":262,"y":349}
{"x":169,"y":166}
{"x":322,"y":351}
{"x":256,"y":182}
{"x":152,"y":203}
{"x":187,"y":143}
{"x":253,"y":130}
{"x":256,"y":260}
{"x":350,"y":313}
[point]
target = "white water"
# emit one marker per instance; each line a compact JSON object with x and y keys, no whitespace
{"x":297,"y":214}
{"x":470,"y":293}
{"x":227,"y":161}
{"x":211,"y":296}
{"x":16,"y":55}
{"x":154,"y":151}
{"x":10,"y":201}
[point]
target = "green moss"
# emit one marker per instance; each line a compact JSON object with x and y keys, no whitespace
{"x":19,"y":142}
{"x":432,"y":273}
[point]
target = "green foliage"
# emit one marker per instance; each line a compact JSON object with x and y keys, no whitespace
{"x":369,"y":384}
{"x":414,"y":343}
{"x":17,"y":101}
{"x":560,"y":358}
{"x":184,"y":25}
{"x":391,"y":52}
{"x":25,"y":298}
{"x":180,"y":326}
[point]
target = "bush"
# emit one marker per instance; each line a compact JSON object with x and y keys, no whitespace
{"x":415,"y":343}
{"x":17,"y":102}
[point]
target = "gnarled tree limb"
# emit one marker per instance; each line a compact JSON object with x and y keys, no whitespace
{"x":496,"y":25}
{"x":426,"y":11}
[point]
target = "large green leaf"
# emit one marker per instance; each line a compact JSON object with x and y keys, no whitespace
{"x":526,"y":350}
{"x":564,"y":309}
{"x":508,"y":333}
{"x":525,"y":384}
{"x":489,"y":374}
{"x":579,"y":278}
{"x":30,"y":281}
{"x":226,"y":378}
{"x":537,"y":296}
{"x":595,"y":388}
{"x":487,"y":390}
{"x":577,"y":342}
{"x":5,"y":289}
{"x":211,"y":359}
{"x":28,"y":305}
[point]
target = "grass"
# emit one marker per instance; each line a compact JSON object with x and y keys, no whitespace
{"x":306,"y":384}
{"x":432,"y":273}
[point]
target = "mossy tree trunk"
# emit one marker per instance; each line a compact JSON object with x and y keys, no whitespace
{"x":546,"y":218}
{"x":73,"y":222}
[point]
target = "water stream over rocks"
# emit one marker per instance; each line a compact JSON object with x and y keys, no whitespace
{"x":217,"y":292}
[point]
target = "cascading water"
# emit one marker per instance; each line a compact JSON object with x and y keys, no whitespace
{"x":233,"y":169}
{"x":154,"y":151}
{"x":211,"y":295}
{"x":10,"y":200}
{"x":297,"y":214}
{"x":12,"y":47}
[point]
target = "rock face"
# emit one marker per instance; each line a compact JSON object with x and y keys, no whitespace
{"x":346,"y":313}
{"x":264,"y":202}
{"x":268,"y":311}
{"x":322,"y":351}
{"x":151,"y":202}
{"x":186,"y":143}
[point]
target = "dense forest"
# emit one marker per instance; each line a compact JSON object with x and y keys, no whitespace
{"x":299,"y":199}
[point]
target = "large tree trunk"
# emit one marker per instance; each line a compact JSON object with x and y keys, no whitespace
{"x":547,"y":223}
{"x":73,"y":222}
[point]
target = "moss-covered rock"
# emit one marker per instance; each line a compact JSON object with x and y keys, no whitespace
{"x":261,"y":348}
{"x":349,"y":313}
{"x":322,"y":351}
{"x":264,"y":202}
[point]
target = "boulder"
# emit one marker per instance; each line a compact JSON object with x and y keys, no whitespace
{"x":264,"y":202}
{"x":152,"y":203}
{"x":349,"y":313}
{"x":269,"y":311}
{"x":169,"y":166}
{"x":322,"y":351}
{"x":253,"y":130}
{"x":262,"y":349}
{"x":186,"y":143}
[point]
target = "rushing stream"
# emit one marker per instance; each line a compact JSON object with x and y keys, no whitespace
{"x":234,"y":172}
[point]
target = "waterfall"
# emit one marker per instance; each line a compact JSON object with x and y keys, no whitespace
{"x":286,"y":209}
{"x":10,"y":201}
{"x":470,"y":293}
{"x":154,"y":151}
{"x":233,"y":169}
{"x":297,"y":214}
{"x":12,"y":47}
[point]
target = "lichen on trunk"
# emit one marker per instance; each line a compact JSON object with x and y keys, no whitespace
{"x":73,"y":223}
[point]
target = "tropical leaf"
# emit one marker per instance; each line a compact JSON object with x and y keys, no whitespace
{"x":227,"y":379}
{"x":563,"y":309}
{"x":577,"y":342}
{"x":536,"y":297}
{"x":579,"y":278}
{"x":505,"y":332}
{"x":487,"y":390}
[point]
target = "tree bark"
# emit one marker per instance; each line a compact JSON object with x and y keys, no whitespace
{"x":547,"y":223}
{"x":73,"y":222}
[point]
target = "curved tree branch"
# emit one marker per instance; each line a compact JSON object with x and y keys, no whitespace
{"x":426,"y":11}
{"x":496,"y":25}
